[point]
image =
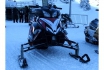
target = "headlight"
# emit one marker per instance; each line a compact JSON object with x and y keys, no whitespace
{"x":33,"y":28}
{"x":31,"y":19}
{"x":54,"y":14}
{"x":46,"y":14}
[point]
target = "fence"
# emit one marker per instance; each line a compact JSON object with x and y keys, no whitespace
{"x":79,"y":19}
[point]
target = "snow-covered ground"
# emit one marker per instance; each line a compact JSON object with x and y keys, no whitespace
{"x":54,"y":58}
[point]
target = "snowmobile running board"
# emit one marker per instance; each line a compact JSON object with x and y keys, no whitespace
{"x":73,"y":27}
{"x":23,"y":63}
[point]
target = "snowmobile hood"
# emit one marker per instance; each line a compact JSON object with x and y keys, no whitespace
{"x":50,"y":24}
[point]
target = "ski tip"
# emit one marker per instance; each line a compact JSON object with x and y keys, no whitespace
{"x":96,"y":51}
{"x":77,"y":26}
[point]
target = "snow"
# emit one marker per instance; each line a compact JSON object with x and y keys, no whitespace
{"x":54,"y":58}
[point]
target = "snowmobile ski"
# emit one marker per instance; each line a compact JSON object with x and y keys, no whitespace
{"x":22,"y":62}
{"x":81,"y":59}
{"x":75,"y":27}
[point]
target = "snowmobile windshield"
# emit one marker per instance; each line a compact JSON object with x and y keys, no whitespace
{"x":34,"y":10}
{"x":50,"y":13}
{"x":94,"y":24}
{"x":45,"y":12}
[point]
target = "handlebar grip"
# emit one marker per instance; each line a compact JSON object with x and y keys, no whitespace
{"x":59,"y":8}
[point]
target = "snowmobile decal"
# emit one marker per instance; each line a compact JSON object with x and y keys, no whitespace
{"x":51,"y":24}
{"x":42,"y":23}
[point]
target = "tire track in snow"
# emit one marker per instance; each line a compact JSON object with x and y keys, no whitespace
{"x":48,"y":60}
{"x":32,"y":57}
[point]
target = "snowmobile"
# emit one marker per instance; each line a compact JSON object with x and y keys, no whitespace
{"x":85,"y":5}
{"x":46,"y":32}
{"x":66,"y":20}
{"x":91,"y":32}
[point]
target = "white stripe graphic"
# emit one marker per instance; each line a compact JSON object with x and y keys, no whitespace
{"x":53,"y":25}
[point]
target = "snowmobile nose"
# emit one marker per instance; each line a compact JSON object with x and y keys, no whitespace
{"x":54,"y":31}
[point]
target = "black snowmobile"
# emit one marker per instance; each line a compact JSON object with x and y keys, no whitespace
{"x":47,"y":32}
{"x":66,"y":20}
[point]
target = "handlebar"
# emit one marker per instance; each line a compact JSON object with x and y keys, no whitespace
{"x":58,"y":8}
{"x":45,"y":6}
